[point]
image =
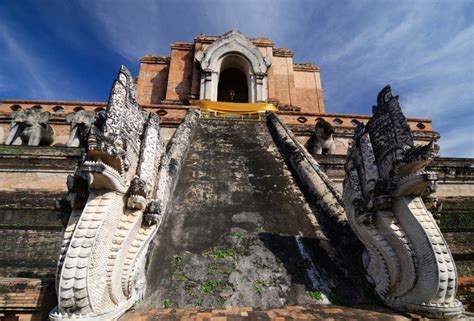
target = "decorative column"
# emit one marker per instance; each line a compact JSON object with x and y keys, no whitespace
{"x":206,"y":85}
{"x":260,"y":90}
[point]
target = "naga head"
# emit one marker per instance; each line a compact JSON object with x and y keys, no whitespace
{"x":114,"y":142}
{"x":398,"y":159}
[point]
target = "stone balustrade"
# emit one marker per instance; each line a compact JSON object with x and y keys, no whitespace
{"x":171,"y":115}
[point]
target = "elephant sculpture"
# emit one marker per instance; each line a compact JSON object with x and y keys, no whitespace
{"x":81,"y":122}
{"x":30,"y":125}
{"x":322,"y":141}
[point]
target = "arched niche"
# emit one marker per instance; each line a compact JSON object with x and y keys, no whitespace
{"x":233,"y":86}
{"x":233,"y":50}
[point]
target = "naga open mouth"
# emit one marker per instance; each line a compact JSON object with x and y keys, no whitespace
{"x":105,"y":171}
{"x":416,"y":184}
{"x":409,"y":174}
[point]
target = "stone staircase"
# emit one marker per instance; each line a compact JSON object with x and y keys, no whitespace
{"x":240,"y":231}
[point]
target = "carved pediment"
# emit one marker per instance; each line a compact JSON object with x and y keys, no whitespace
{"x":233,"y":42}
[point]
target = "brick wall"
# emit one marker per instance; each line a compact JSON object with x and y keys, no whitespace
{"x":281,"y":80}
{"x":308,"y":91}
{"x":31,"y":178}
{"x":24,"y":299}
{"x":152,"y":79}
{"x":181,"y":72}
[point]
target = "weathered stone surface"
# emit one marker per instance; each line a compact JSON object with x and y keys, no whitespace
{"x":236,"y":236}
{"x":26,"y":299}
{"x":318,"y":186}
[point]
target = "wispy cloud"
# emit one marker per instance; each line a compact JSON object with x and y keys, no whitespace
{"x":131,"y":28}
{"x":29,"y":67}
{"x":424,"y":48}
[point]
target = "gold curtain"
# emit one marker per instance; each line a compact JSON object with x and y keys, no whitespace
{"x":233,"y":108}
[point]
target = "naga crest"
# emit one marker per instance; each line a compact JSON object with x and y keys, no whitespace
{"x":114,"y":148}
{"x":408,"y":259}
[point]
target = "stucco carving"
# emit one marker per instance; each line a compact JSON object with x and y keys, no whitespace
{"x":102,"y":260}
{"x":233,"y":41}
{"x":251,"y":61}
{"x":322,"y":141}
{"x":408,"y":259}
{"x":81,"y":122}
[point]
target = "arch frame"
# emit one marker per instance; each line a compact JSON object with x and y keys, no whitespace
{"x":233,"y":45}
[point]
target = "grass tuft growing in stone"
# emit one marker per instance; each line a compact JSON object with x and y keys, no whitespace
{"x":238,"y":235}
{"x":219,"y":253}
{"x":209,"y":286}
{"x":258,"y":286}
{"x":315,"y":295}
{"x":167,"y":304}
{"x":258,"y":228}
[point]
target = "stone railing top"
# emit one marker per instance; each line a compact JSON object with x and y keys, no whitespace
{"x":59,"y":106}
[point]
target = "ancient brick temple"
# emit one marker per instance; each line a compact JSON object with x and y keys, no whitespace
{"x":259,"y":72}
{"x":209,"y":162}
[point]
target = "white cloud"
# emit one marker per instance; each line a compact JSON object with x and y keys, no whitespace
{"x":458,"y":142}
{"x":423,"y":48}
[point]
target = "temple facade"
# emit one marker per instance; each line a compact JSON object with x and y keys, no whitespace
{"x":134,"y":147}
{"x":231,"y":67}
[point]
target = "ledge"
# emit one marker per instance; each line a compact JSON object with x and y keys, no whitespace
{"x":54,"y":159}
{"x":38,"y":151}
{"x":306,"y":67}
{"x":282,"y":52}
{"x":25,"y":294}
{"x":182,"y":46}
{"x":152,"y":59}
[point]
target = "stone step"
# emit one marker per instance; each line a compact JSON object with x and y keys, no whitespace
{"x":324,"y":312}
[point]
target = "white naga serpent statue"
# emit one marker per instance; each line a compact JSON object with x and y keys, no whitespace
{"x":116,"y":201}
{"x":408,"y":259}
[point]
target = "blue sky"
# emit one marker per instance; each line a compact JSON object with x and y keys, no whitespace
{"x":70,"y":50}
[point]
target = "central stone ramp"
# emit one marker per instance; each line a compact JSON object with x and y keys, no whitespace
{"x":239,"y":231}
